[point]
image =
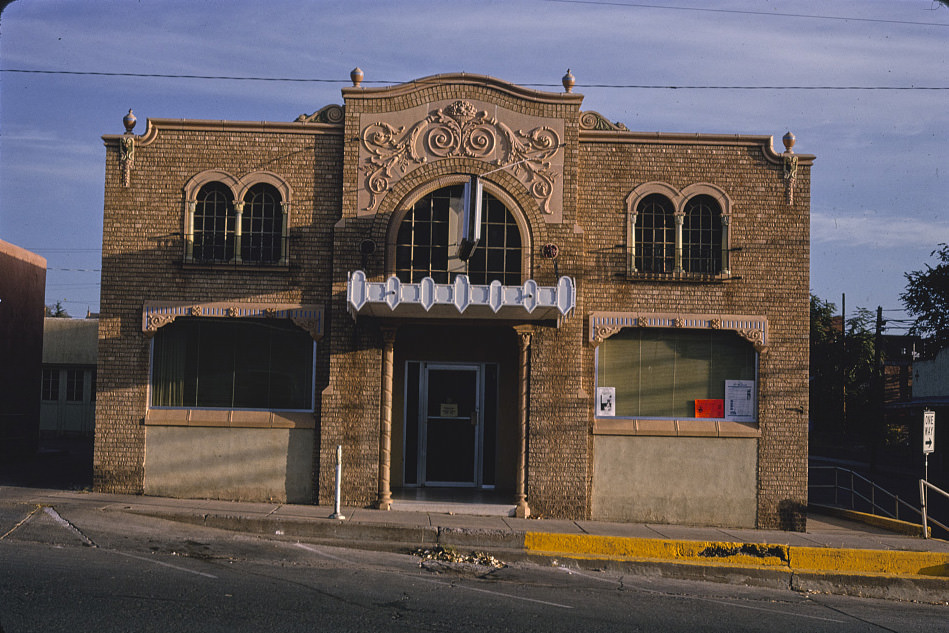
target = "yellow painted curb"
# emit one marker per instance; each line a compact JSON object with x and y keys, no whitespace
{"x":585,"y":545}
{"x":870,"y":561}
{"x":811,"y":559}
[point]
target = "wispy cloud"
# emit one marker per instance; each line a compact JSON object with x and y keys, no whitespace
{"x":876,"y":230}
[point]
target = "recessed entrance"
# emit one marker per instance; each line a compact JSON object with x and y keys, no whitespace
{"x":450,"y":424}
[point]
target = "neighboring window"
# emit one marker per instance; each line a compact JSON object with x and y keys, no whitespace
{"x":655,"y":235}
{"x":426,"y":244}
{"x":702,"y":236}
{"x":660,"y":373}
{"x":214,"y":224}
{"x":50,"y":384}
{"x":261,"y":225}
{"x":233,"y":364}
{"x":74,"y":383}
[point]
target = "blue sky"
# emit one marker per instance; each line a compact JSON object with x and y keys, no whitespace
{"x":879,"y":185}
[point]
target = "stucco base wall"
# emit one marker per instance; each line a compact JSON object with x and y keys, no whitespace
{"x":681,"y":480}
{"x":230,"y":463}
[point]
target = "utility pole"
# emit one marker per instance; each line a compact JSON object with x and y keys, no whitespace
{"x":843,"y":362}
{"x":878,"y":395}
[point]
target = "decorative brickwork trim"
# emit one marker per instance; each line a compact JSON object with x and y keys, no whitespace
{"x":752,"y":328}
{"x":306,"y":317}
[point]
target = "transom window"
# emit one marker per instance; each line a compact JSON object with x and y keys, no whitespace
{"x":426,"y":244}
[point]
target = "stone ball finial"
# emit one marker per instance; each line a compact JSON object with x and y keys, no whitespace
{"x":356,"y":75}
{"x":129,"y":121}
{"x":789,"y":140}
{"x":568,"y":81}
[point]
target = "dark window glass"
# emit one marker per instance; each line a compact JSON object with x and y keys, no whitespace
{"x":51,"y":384}
{"x":74,"y":384}
{"x":261,"y":225}
{"x":702,"y":236}
{"x":244,"y":364}
{"x":214,"y":224}
{"x":655,"y":235}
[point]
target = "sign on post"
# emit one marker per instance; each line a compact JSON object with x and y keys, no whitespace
{"x":929,"y":432}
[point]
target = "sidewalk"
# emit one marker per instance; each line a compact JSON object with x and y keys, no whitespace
{"x":834,"y":555}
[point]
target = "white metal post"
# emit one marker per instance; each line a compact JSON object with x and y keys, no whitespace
{"x":339,"y":484}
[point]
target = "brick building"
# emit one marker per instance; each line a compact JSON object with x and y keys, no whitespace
{"x":627,"y":340}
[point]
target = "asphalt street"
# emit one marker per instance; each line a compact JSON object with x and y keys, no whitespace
{"x":80,"y":569}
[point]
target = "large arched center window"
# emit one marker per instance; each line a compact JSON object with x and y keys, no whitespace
{"x":427,"y":241}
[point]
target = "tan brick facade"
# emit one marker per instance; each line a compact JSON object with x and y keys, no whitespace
{"x":342,"y":205}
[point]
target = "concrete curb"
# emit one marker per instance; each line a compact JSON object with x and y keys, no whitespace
{"x":893,"y":575}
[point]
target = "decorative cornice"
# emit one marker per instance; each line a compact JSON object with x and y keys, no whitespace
{"x":764,"y":143}
{"x":392,"y":146}
{"x":463,"y":79}
{"x":754,"y":329}
{"x":156,"y":315}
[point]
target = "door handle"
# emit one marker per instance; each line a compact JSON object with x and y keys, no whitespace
{"x":474,"y":418}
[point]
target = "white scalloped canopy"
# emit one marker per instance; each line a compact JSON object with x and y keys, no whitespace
{"x":459,"y":299}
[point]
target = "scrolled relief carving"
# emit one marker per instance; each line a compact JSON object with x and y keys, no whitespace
{"x":333,"y":114}
{"x":155,"y":321}
{"x":591,"y":120}
{"x":459,"y":130}
{"x":310,"y":325}
{"x":715,"y":324}
{"x":195,"y":311}
{"x":754,"y":336}
{"x":603,"y":332}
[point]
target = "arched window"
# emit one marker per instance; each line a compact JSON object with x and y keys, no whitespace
{"x":261,"y":225}
{"x":426,"y":243}
{"x":702,"y":236}
{"x":214,"y":224}
{"x":655,"y":235}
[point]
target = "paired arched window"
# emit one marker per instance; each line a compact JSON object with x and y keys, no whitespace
{"x":247,"y":227}
{"x":673,"y":233}
{"x":427,"y":246}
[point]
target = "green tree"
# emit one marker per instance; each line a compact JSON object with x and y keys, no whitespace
{"x":57,"y":310}
{"x":926,"y":298}
{"x":841,"y":375}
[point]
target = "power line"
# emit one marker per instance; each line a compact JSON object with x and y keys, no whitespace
{"x":387,"y":82}
{"x":636,"y":5}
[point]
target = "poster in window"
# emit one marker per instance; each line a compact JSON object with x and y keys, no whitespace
{"x":740,"y":400}
{"x":606,"y":401}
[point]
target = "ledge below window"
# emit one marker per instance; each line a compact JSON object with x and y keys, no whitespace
{"x":683,"y":277}
{"x":237,"y":267}
{"x":231,"y":419}
{"x":676,"y":428}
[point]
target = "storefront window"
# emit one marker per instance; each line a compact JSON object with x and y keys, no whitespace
{"x":236,"y":364}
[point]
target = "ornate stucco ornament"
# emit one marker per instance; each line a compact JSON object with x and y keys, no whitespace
{"x":127,"y":148}
{"x":591,"y":120}
{"x":790,"y":166}
{"x":459,"y":129}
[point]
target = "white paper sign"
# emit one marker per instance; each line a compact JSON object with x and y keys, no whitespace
{"x":740,"y":401}
{"x":606,"y":401}
{"x":929,"y":432}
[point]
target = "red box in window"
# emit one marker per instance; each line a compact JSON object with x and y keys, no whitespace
{"x":710,"y":408}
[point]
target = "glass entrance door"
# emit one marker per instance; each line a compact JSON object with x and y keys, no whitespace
{"x":450,"y":424}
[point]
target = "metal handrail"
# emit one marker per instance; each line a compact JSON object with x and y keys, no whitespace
{"x":923,"y":498}
{"x":871,"y":500}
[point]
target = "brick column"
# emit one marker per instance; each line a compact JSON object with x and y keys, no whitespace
{"x":522,"y":510}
